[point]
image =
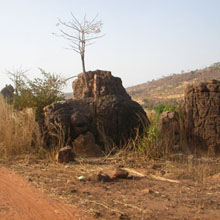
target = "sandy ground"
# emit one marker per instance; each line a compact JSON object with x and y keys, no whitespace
{"x":19,"y":200}
{"x":180,"y":189}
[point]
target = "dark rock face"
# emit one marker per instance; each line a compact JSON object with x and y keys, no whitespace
{"x":100,"y":83}
{"x":170,"y":127}
{"x":84,"y":146}
{"x":104,"y":109}
{"x":8,"y":92}
{"x":201,"y":110}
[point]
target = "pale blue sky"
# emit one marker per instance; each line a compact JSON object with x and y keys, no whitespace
{"x":144,"y":39}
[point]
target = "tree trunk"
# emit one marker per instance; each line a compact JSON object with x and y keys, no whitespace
{"x":84,"y":70}
{"x":83,"y":63}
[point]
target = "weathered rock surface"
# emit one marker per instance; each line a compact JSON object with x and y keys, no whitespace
{"x":104,"y":109}
{"x":84,"y":145}
{"x":111,"y":175}
{"x":170,"y":127}
{"x":100,"y":83}
{"x":201,"y":110}
{"x":119,"y":173}
{"x":65,"y":155}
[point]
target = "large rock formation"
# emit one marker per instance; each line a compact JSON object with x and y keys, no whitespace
{"x":201,"y":114}
{"x":100,"y":83}
{"x":103,"y":108}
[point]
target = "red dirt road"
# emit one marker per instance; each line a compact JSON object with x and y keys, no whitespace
{"x":20,"y":200}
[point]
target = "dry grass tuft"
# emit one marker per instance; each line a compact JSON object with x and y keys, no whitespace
{"x":19,"y":132}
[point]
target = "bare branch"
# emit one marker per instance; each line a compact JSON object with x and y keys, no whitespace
{"x":70,"y":25}
{"x":70,"y":78}
{"x":80,"y":34}
{"x":70,"y":36}
{"x":92,"y":21}
{"x":75,"y":20}
{"x":71,"y":48}
{"x":90,"y":44}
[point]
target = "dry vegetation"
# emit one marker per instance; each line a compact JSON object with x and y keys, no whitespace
{"x":162,"y":184}
{"x":19,"y":132}
{"x":170,"y":89}
{"x":183,"y":187}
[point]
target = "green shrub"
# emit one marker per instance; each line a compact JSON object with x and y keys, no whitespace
{"x":149,"y":142}
{"x":162,"y":108}
{"x":156,"y":144}
{"x":36,"y":93}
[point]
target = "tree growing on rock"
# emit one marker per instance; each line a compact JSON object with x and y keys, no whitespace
{"x":80,"y":34}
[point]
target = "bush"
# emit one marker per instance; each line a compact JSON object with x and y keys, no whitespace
{"x":162,"y":108}
{"x":156,"y":143}
{"x":149,"y":144}
{"x":36,"y":93}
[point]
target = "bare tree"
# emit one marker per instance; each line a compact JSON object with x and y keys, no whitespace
{"x":17,"y":77}
{"x":80,"y":34}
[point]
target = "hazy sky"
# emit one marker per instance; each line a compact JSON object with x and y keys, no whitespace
{"x":144,"y":39}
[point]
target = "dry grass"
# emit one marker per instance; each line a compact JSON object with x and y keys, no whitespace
{"x":170,"y":89}
{"x":19,"y":133}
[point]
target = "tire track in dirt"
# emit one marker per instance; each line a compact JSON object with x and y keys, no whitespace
{"x":20,"y":200}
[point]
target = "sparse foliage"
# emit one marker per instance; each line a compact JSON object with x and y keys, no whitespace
{"x":80,"y":34}
{"x":18,"y":77}
{"x":36,"y":93}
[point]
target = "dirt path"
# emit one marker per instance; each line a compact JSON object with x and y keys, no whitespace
{"x":20,"y":200}
{"x":171,"y":190}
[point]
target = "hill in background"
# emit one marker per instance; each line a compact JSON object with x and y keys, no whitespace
{"x":170,"y":89}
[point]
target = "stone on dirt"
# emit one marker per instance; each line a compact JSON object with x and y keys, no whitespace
{"x":65,"y":155}
{"x":124,"y":217}
{"x":146,"y":191}
{"x":84,"y":145}
{"x":119,"y":173}
{"x":103,"y":177}
{"x":112,"y":174}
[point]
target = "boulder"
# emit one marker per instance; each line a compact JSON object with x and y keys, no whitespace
{"x":170,"y":127}
{"x":104,"y":109}
{"x":169,"y":120}
{"x":84,"y":145}
{"x":201,"y":114}
{"x":65,"y":155}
